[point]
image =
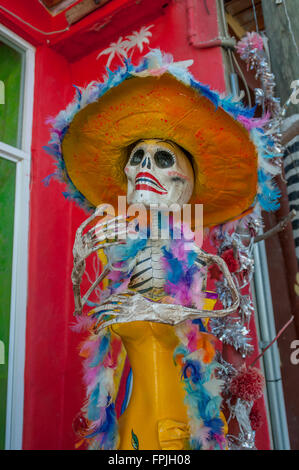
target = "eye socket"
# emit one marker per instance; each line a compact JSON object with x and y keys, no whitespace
{"x":164,"y":159}
{"x":137,"y":157}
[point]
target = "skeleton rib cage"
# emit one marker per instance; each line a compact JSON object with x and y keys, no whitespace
{"x":148,"y":277}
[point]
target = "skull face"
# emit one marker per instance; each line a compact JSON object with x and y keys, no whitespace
{"x":159,"y":172}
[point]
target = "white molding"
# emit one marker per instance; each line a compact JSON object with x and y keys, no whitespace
{"x":12,"y":153}
{"x":22,"y":157}
{"x":28,"y":100}
{"x":20,"y":42}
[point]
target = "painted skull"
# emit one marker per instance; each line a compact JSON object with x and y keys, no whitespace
{"x":159,"y":172}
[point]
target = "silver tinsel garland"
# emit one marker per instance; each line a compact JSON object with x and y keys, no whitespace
{"x":246,"y":438}
{"x":252,"y":52}
{"x":240,"y":410}
{"x":234,"y":330}
{"x":234,"y":333}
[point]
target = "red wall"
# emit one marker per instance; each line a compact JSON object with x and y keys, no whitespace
{"x":49,"y":301}
{"x":170,"y":35}
{"x":53,"y":390}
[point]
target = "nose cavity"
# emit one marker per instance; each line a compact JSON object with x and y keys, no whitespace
{"x":146,"y":163}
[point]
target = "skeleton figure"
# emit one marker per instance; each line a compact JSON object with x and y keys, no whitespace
{"x":158,"y":172}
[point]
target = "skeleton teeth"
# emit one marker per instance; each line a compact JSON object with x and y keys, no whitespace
{"x":147,"y":187}
{"x":145,"y":181}
{"x":144,"y":178}
{"x":148,"y":181}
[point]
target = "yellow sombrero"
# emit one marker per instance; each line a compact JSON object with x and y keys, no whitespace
{"x":94,"y":146}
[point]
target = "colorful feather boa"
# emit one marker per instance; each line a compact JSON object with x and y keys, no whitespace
{"x":196,"y":354}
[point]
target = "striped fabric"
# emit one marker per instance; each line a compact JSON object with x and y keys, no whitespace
{"x":291,"y":167}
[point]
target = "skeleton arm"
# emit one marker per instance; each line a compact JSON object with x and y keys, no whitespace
{"x":86,"y":244}
{"x":132,"y":306}
{"x":214,"y":259}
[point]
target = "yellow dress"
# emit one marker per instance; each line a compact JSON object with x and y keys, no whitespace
{"x":156,"y":413}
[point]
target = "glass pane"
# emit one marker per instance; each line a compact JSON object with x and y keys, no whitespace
{"x":11,"y":85}
{"x":7,"y":204}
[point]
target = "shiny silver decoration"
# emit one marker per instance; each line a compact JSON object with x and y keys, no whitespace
{"x":257,"y":60}
{"x":234,"y":330}
{"x":246,"y":438}
{"x":231,"y":331}
{"x":238,"y":409}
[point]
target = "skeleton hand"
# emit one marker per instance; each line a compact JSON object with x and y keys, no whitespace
{"x":97,"y":237}
{"x":131,"y":306}
{"x":85,"y":244}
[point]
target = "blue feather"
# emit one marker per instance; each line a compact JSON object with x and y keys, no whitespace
{"x":216,"y":425}
{"x":200,"y":324}
{"x":102,"y":351}
{"x":179,"y":350}
{"x":47,"y":179}
{"x":195,"y":369}
{"x":205,"y":91}
{"x":127,"y":392}
{"x":204,"y":407}
{"x":191,"y":257}
{"x":126,"y":251}
{"x":93,"y":409}
{"x":267,"y":205}
{"x":107,"y":424}
{"x":78,"y":95}
{"x":52,"y":150}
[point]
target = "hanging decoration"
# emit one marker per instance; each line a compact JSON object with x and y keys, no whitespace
{"x":244,"y":387}
{"x":251,"y":50}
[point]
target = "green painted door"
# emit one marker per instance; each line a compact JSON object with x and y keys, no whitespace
{"x":11,"y":83}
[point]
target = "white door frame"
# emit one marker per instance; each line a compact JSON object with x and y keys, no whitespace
{"x":22,"y":158}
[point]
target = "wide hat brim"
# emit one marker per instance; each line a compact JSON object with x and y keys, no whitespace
{"x":95,"y":146}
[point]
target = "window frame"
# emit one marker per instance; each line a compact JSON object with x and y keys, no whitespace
{"x":22,"y":158}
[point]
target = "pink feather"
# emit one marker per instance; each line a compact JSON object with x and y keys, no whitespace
{"x":253,"y":123}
